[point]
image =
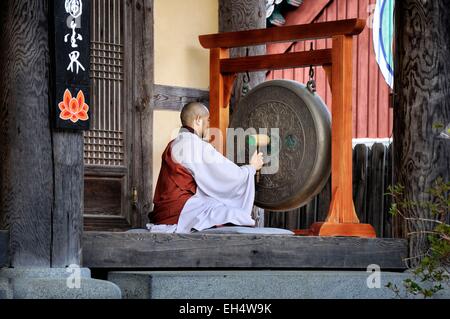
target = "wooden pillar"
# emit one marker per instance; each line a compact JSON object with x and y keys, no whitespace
{"x":238,"y":15}
{"x":220,"y":116}
{"x":143,"y":91}
{"x":422,"y":99}
{"x":341,"y":158}
{"x":41,"y":169}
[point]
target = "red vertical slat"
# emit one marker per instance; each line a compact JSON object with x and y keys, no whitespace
{"x":330,"y":14}
{"x":277,"y":74}
{"x":288,"y":74}
{"x":306,"y":70}
{"x":294,"y":76}
{"x":363,"y":75}
{"x":341,"y":9}
{"x":383,"y":107}
{"x":372,"y":106}
{"x":324,"y":89}
{"x":352,"y":12}
{"x":321,"y":79}
{"x":299,"y":71}
{"x":306,"y":47}
{"x":391,"y":122}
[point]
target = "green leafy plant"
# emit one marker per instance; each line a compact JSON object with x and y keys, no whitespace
{"x":444,"y":132}
{"x":432,"y":273}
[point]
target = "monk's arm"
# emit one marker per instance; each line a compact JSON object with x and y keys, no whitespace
{"x":217,"y":176}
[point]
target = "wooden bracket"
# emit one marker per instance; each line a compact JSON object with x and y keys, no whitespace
{"x":329,"y":74}
{"x":228,"y":83}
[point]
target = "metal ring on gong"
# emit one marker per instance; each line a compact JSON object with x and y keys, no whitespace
{"x":304,"y":142}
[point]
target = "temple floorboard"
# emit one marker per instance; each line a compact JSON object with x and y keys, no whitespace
{"x":115,"y":250}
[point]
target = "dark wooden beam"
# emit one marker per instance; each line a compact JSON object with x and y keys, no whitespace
{"x":67,"y":197}
{"x":422,"y":100}
{"x":4,"y":248}
{"x":26,"y":168}
{"x":276,"y":61}
{"x":147,"y":250}
{"x":41,"y":169}
{"x":174,"y":98}
{"x":283,"y":34}
{"x":143,"y":66}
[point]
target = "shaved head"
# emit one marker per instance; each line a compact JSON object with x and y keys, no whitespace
{"x":192,"y":111}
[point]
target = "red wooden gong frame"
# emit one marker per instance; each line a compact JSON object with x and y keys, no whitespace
{"x":337,"y":62}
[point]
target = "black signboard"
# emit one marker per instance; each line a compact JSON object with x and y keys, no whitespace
{"x":71,"y":57}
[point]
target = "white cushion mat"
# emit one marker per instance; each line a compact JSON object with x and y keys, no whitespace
{"x":247,"y":230}
{"x":219,"y":230}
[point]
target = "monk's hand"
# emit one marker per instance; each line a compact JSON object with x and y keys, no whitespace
{"x":207,"y":136}
{"x":257,"y":160}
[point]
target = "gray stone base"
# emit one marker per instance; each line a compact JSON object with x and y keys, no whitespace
{"x":255,"y":284}
{"x":5,"y":289}
{"x":53,"y":283}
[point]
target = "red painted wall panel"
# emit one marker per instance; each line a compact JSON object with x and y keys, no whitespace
{"x":372,"y":116}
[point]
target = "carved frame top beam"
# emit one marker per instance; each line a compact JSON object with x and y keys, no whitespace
{"x":283,"y":34}
{"x":276,"y":61}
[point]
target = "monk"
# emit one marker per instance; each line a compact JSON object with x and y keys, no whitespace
{"x":198,"y":188}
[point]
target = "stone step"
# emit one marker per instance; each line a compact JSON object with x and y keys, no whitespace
{"x":54,"y":283}
{"x":6,"y":291}
{"x":256,"y":284}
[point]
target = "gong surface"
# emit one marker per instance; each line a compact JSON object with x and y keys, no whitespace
{"x":304,"y":141}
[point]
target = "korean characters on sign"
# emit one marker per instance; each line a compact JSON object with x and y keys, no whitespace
{"x":72,"y":60}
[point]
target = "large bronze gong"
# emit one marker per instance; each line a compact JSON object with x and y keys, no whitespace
{"x":303,"y":142}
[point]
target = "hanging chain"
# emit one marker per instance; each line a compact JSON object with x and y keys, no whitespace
{"x":246,"y":80}
{"x":311,"y":85}
{"x":245,"y":86}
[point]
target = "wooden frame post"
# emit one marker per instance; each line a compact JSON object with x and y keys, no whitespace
{"x":342,"y":219}
{"x":341,"y":121}
{"x":220,"y":93}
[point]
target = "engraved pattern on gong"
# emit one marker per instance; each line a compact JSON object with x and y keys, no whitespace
{"x":276,"y":114}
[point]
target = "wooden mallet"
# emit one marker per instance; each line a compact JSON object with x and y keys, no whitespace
{"x":258,"y":140}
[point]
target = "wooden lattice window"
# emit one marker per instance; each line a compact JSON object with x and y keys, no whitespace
{"x":105,"y":142}
{"x":108,"y":144}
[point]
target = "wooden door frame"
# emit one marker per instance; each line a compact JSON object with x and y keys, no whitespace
{"x":143,"y":80}
{"x":138,"y":88}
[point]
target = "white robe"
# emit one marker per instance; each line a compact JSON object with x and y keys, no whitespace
{"x":225,"y":191}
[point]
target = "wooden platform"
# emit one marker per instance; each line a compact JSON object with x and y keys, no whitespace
{"x":203,"y":251}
